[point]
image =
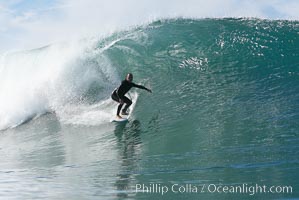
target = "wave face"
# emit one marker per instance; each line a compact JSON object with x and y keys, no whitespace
{"x":225,"y":74}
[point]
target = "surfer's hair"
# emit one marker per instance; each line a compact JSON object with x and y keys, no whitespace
{"x":129,"y":76}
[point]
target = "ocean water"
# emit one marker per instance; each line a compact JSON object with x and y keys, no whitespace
{"x":224,"y":112}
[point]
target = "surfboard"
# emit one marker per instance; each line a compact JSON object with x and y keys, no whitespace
{"x":124,"y":119}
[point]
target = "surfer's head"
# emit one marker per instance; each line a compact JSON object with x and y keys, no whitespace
{"x":129,"y":77}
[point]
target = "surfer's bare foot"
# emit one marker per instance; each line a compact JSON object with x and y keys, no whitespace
{"x":118,"y":116}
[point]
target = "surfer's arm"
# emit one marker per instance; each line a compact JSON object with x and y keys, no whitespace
{"x":141,"y":87}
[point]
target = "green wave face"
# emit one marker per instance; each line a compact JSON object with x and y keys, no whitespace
{"x":224,"y":76}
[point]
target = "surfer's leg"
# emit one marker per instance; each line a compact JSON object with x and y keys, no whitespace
{"x":128,"y":103}
{"x":119,"y":108}
{"x":114,"y":97}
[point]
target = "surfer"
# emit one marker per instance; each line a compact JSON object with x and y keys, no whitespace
{"x":118,"y":94}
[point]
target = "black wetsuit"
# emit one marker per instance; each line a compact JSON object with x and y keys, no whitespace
{"x":119,"y":94}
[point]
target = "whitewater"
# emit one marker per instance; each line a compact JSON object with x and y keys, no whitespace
{"x":224,"y":110}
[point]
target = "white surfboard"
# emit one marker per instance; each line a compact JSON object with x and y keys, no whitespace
{"x":124,"y":119}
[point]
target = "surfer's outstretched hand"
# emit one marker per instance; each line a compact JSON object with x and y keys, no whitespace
{"x":149,"y":90}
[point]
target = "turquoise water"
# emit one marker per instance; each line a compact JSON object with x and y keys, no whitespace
{"x":223,"y":112}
